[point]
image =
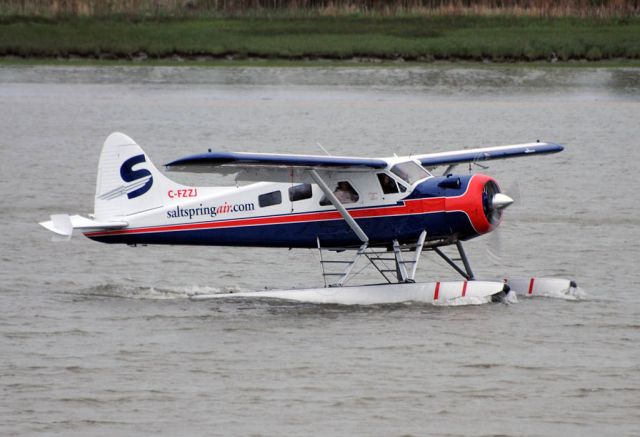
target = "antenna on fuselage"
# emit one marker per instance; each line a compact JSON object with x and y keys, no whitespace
{"x":323,"y":149}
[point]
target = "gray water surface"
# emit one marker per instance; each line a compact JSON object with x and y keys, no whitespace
{"x":102,"y":340}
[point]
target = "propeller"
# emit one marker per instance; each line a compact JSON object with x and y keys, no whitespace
{"x":496,"y":202}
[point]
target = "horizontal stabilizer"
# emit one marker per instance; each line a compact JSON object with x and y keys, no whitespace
{"x":64,"y":224}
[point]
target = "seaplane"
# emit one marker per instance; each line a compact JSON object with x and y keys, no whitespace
{"x":386,"y":212}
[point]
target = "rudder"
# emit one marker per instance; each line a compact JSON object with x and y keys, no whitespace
{"x":127,"y":181}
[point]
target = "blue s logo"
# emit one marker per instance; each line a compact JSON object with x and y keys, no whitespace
{"x":128,"y":174}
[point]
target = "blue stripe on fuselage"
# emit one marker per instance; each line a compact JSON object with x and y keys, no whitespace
{"x":381,"y":230}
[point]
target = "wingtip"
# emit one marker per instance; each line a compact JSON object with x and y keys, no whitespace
{"x":549,"y":147}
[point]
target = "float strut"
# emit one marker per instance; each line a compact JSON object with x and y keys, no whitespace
{"x":465,"y":260}
{"x":338,"y":205}
{"x":467,"y":273}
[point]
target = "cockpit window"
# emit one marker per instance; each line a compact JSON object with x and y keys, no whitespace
{"x":388,"y":184}
{"x":344,"y":192}
{"x":409,"y":171}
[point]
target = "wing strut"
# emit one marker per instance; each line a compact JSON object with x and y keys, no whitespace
{"x":334,"y":200}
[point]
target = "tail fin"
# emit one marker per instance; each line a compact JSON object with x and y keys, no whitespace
{"x":128,"y":182}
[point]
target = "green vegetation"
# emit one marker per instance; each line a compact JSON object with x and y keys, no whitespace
{"x":412,"y":38}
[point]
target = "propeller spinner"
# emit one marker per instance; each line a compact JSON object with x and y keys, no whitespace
{"x":494,"y":202}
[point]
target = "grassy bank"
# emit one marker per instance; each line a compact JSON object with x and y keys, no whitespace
{"x":412,"y":38}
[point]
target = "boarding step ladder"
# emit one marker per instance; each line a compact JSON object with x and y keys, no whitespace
{"x":329,"y":265}
{"x":404,"y":269}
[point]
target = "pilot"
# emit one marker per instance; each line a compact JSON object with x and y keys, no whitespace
{"x":388,"y":184}
{"x":345,"y":193}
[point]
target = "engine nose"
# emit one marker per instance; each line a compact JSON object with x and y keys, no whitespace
{"x":494,"y":202}
{"x":473,"y":203}
{"x":501,"y":201}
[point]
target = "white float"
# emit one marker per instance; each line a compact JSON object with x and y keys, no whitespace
{"x":550,"y":287}
{"x":469,"y":292}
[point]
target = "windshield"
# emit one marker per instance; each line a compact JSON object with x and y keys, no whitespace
{"x":409,"y":171}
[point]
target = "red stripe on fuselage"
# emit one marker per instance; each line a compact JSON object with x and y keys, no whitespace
{"x":409,"y":207}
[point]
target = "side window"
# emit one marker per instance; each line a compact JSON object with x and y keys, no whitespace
{"x":268,"y":199}
{"x":300,"y":192}
{"x":387,"y":183}
{"x":344,"y":192}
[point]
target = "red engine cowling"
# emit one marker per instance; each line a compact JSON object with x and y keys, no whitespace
{"x":482,"y":202}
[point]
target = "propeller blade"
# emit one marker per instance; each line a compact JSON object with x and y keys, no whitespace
{"x":494,"y":247}
{"x":515,"y":193}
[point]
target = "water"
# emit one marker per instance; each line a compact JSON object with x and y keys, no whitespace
{"x":101,"y":340}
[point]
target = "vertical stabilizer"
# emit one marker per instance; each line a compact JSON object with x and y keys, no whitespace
{"x":128,"y":182}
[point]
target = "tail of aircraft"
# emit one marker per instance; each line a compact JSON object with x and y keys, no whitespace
{"x":127,"y":183}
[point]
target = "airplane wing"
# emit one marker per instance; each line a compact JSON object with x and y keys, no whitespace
{"x":207,"y":162}
{"x":290,"y":167}
{"x":433,"y":160}
{"x":271,"y":167}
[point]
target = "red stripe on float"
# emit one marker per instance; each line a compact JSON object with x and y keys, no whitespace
{"x":464,"y":289}
{"x":531,"y":285}
{"x":437,"y":292}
